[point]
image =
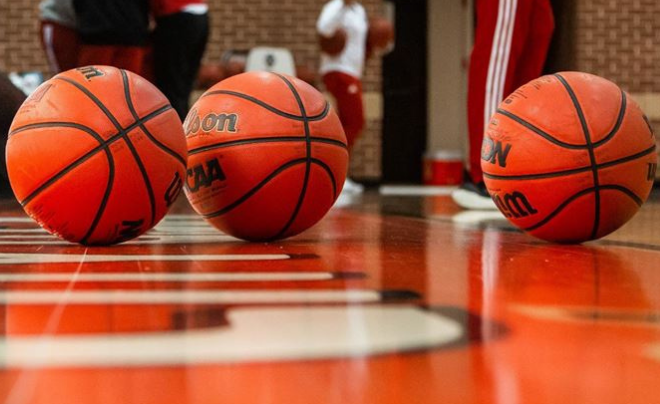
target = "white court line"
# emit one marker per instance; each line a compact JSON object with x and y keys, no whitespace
{"x":16,"y":220}
{"x":191,"y":297}
{"x":22,"y":258}
{"x":38,"y":231}
{"x":167,"y":277}
{"x":253,"y":334}
{"x":414,"y":190}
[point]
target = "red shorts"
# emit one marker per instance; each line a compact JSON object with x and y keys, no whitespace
{"x":61,"y":45}
{"x":347,"y":90}
{"x":130,"y":58}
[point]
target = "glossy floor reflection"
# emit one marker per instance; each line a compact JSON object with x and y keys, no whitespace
{"x":390,"y":299}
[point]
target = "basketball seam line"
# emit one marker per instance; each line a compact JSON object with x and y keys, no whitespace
{"x":549,"y":137}
{"x":267,"y":140}
{"x":624,"y":190}
{"x":106,"y":196}
{"x":323,"y":114}
{"x":136,"y":156}
{"x":538,"y":131}
{"x":328,"y":170}
{"x":270,"y":176}
{"x":122,"y":134}
{"x":102,"y":145}
{"x":617,"y":124}
{"x":308,"y":151}
{"x":155,"y":141}
{"x":592,"y":154}
{"x":252,"y":191}
{"x":72,"y":165}
{"x":572,"y":171}
{"x":94,"y":99}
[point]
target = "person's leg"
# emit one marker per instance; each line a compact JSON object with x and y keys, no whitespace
{"x":537,"y":43}
{"x":95,"y":55}
{"x":129,"y":58}
{"x":347,"y":91}
{"x":179,"y":44}
{"x":61,"y":45}
{"x":500,"y":41}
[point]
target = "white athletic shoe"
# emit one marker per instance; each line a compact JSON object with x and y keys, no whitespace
{"x":473,"y":196}
{"x":352,"y":187}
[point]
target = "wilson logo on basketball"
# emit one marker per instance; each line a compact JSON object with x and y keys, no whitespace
{"x":514,"y":205}
{"x":203,"y":175}
{"x":212,"y":122}
{"x":90,"y":72}
{"x":495,"y":151}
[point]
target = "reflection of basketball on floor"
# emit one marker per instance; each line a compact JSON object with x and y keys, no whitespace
{"x":268,"y":156}
{"x":569,"y":157}
{"x":96,"y":155}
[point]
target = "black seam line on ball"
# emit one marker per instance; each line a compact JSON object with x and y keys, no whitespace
{"x":111,"y":177}
{"x":549,"y":137}
{"x":231,"y":143}
{"x":592,"y":154}
{"x":538,"y":131}
{"x":122,"y":133}
{"x":617,"y":124}
{"x":308,"y":155}
{"x":328,"y":170}
{"x":94,"y":99}
{"x":61,"y":173}
{"x":272,"y":175}
{"x":103,"y":145}
{"x":254,"y":190}
{"x":554,"y":213}
{"x":144,"y":128}
{"x":562,"y":173}
{"x":323,"y":114}
{"x":129,"y":143}
{"x":136,"y":156}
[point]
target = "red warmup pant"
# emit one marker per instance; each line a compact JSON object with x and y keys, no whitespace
{"x":130,"y":58}
{"x":61,"y":45}
{"x":510,"y":47}
{"x":347,"y":90}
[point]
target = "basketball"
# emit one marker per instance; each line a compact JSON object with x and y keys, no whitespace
{"x":96,"y":155}
{"x":380,"y":34}
{"x":569,"y":157}
{"x":333,"y":45}
{"x":267,"y":156}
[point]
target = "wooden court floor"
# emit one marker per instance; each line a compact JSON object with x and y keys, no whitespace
{"x":390,"y":299}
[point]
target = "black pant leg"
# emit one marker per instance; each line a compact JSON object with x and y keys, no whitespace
{"x":179,"y":43}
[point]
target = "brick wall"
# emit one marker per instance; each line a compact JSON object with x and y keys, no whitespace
{"x":19,"y":36}
{"x":291,"y":23}
{"x":618,"y":39}
{"x":236,"y":24}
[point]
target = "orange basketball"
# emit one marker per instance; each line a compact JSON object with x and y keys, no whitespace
{"x":380,"y":34}
{"x":333,"y":45}
{"x":569,"y":157}
{"x":96,"y":155}
{"x":268,"y":156}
